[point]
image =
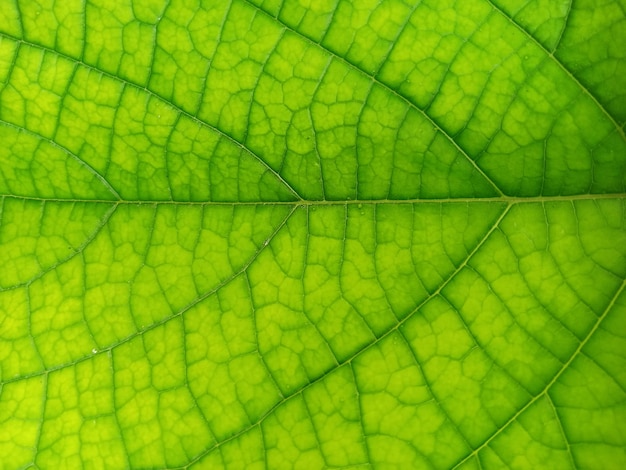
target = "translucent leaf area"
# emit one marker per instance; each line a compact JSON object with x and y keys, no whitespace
{"x":255,"y":234}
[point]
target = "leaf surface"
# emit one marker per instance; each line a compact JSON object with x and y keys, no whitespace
{"x":334,"y":234}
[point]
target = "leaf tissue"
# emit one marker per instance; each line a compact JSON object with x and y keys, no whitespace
{"x":265,"y":234}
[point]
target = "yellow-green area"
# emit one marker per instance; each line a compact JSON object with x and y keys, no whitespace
{"x":265,"y":234}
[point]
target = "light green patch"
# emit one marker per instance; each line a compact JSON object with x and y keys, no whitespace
{"x":20,"y":418}
{"x":56,"y":25}
{"x":223,"y":355}
{"x":32,"y":98}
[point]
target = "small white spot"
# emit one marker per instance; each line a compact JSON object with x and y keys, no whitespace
{"x":94,"y":351}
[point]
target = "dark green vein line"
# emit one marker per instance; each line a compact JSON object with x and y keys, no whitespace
{"x":559,"y":420}
{"x":564,"y":28}
{"x":307,"y":202}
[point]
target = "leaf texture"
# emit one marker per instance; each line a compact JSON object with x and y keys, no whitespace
{"x":334,"y":234}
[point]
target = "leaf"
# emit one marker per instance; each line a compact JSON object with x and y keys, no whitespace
{"x":256,"y":234}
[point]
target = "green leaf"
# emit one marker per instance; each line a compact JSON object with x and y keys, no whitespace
{"x":331,"y":234}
